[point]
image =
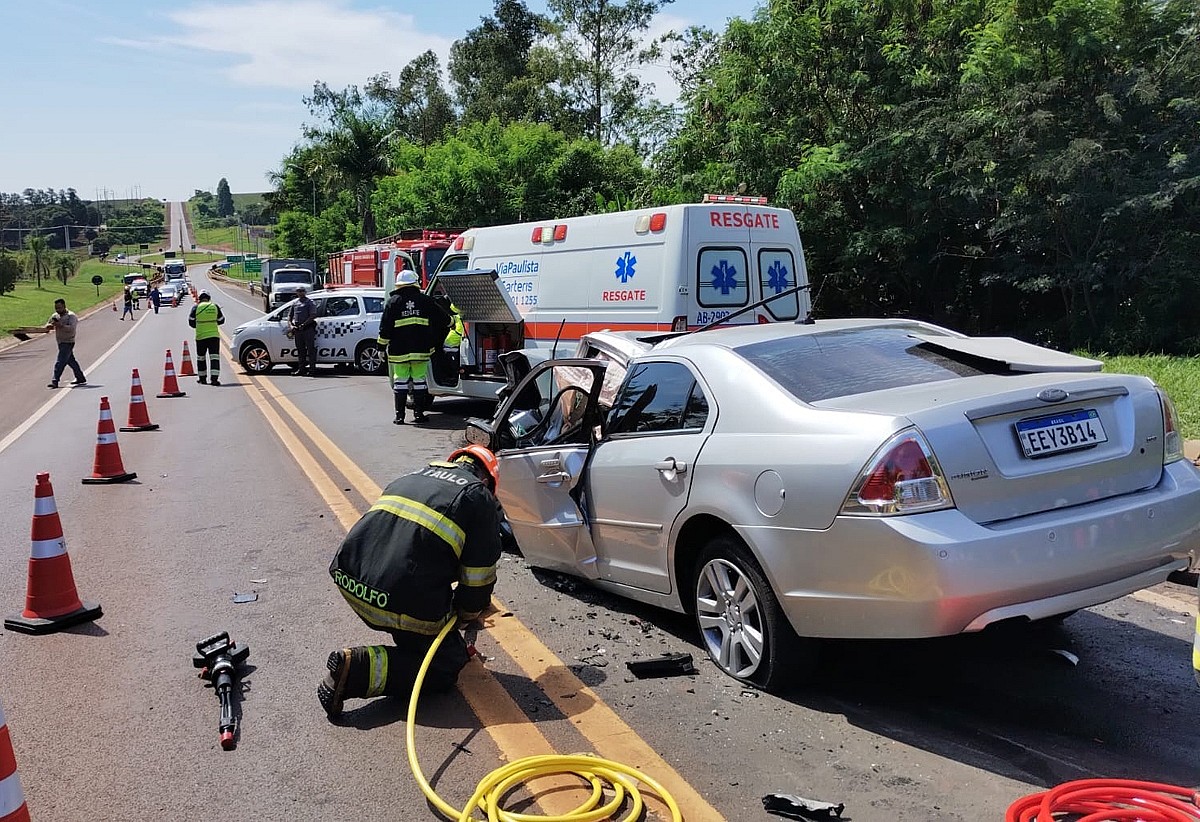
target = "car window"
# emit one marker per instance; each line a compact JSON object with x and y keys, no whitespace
{"x":458,"y":263}
{"x":341,"y":307}
{"x":656,"y":397}
{"x":374,"y":305}
{"x":777,"y":273}
{"x":814,"y":367}
{"x":722,"y":277}
{"x":292,"y":277}
{"x":550,"y":409}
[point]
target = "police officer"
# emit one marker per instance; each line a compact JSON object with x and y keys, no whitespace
{"x":424,"y":555}
{"x":205,"y":317}
{"x":411,"y":325}
{"x":303,"y":321}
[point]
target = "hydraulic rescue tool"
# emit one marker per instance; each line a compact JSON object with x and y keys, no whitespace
{"x":218,"y":658}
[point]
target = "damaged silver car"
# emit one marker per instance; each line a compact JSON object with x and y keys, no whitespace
{"x":843,"y":478}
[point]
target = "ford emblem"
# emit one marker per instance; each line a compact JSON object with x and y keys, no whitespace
{"x":1052,"y":395}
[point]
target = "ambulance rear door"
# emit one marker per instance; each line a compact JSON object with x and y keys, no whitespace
{"x":719,"y":263}
{"x":484,"y":306}
{"x":777,"y":264}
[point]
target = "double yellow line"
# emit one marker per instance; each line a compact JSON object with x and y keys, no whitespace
{"x":508,"y":726}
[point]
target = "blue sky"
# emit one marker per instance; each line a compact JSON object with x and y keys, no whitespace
{"x":160,"y":99}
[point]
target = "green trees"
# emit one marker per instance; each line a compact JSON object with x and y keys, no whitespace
{"x":490,"y":67}
{"x":224,"y":199}
{"x":39,"y":255}
{"x":1028,"y":168}
{"x":65,"y":266}
{"x":10,"y":272}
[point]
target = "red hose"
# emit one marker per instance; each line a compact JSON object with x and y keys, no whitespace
{"x":1109,"y":800}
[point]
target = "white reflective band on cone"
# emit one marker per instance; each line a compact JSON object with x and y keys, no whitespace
{"x":43,"y":506}
{"x":11,"y":797}
{"x":137,"y":398}
{"x":106,"y":439}
{"x":106,"y":414}
{"x":48,"y":548}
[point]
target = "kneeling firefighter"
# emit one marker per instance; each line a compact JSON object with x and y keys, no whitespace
{"x":424,"y":555}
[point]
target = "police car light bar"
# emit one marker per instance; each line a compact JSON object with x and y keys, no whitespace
{"x":734,"y":198}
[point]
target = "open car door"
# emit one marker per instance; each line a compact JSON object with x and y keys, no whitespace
{"x":542,"y":435}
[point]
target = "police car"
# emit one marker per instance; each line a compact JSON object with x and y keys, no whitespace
{"x":347,"y":329}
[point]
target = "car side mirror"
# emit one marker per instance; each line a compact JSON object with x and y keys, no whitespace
{"x":480,"y":432}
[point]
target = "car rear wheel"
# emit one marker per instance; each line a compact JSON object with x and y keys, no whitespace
{"x":255,"y":358}
{"x":370,"y":359}
{"x":743,"y":629}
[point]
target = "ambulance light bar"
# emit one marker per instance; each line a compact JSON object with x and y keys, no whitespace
{"x":734,"y":198}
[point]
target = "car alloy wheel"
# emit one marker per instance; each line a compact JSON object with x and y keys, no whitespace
{"x":371,"y":359}
{"x":741,"y":624}
{"x":256,"y":359}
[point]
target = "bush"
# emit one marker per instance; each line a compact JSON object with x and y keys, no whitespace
{"x":10,"y":270}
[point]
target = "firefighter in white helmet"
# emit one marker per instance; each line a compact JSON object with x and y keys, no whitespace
{"x":412,"y":325}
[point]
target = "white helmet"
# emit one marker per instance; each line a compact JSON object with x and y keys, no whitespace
{"x":406,"y":276}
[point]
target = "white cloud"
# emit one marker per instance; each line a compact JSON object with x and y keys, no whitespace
{"x":666,"y":90}
{"x":280,"y":44}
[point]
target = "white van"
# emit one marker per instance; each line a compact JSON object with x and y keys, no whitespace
{"x":653,"y":270}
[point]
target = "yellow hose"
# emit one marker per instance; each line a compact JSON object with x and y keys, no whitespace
{"x":496,"y":785}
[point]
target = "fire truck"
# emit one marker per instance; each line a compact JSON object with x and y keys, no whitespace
{"x":373,"y":265}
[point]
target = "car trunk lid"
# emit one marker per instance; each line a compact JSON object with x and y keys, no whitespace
{"x":1018,"y":444}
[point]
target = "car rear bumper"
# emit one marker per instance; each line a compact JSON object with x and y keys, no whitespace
{"x":939,"y":573}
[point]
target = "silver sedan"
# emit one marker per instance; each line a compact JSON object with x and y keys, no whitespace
{"x":844,"y":478}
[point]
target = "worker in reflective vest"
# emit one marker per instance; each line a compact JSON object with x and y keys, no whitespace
{"x":205,"y":317}
{"x":424,"y":555}
{"x":409,"y":328}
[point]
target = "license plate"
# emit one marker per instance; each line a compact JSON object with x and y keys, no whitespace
{"x":1042,"y":436}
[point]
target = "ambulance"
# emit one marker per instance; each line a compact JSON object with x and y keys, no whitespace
{"x":544,"y":285}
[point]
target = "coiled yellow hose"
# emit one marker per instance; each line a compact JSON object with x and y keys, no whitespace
{"x":492,"y":788}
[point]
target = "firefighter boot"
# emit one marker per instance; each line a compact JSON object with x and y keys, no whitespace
{"x":349,"y":672}
{"x":420,"y":403}
{"x":401,"y":398}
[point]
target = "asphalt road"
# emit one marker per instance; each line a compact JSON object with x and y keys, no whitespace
{"x":258,"y":479}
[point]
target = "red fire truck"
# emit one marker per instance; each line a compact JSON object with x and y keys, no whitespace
{"x":421,"y":249}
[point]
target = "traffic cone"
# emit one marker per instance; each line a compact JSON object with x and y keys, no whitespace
{"x":170,"y":384}
{"x":139,"y":415}
{"x":12,"y":800}
{"x":186,"y":370}
{"x":107,"y":467}
{"x":51,"y":601}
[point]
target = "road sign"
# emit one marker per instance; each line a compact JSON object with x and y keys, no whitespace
{"x":97,"y":280}
{"x":144,"y":246}
{"x":254,"y":266}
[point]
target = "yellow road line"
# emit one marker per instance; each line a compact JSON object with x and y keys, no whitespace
{"x":594,"y":719}
{"x":1181,"y":605}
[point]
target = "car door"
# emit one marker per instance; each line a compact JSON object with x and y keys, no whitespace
{"x":542,"y":435}
{"x":640,"y":475}
{"x":340,"y":321}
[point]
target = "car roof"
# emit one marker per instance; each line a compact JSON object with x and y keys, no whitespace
{"x":366,"y":291}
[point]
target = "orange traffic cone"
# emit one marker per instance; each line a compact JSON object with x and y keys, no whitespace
{"x":12,"y":800}
{"x":139,"y":415}
{"x":170,"y":384}
{"x":51,"y":601}
{"x":186,"y":370}
{"x":107,"y":467}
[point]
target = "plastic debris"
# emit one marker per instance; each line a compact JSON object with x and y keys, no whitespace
{"x":1067,"y":655}
{"x":666,"y":665}
{"x":243,"y":598}
{"x":791,"y":806}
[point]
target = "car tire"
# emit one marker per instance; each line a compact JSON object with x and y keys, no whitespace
{"x":255,"y":358}
{"x":749,"y":639}
{"x":370,"y":359}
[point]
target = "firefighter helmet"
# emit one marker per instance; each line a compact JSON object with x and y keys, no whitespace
{"x":406,"y":276}
{"x":204,"y":295}
{"x":482,"y":457}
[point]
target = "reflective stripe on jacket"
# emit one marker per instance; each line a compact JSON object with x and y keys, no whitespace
{"x":412,"y":323}
{"x":427,"y":547}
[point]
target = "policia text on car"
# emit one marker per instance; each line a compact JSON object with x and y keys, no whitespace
{"x":423,"y":556}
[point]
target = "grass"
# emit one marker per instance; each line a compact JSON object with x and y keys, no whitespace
{"x":219,"y":237}
{"x":27,"y":305}
{"x":1178,"y":376}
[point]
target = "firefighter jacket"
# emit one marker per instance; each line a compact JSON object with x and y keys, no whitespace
{"x":205,"y":317}
{"x":426,"y":550}
{"x":412,"y":325}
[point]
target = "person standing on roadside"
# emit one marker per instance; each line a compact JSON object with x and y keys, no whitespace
{"x":411,"y":325}
{"x":205,"y":317}
{"x":64,"y":323}
{"x":303,"y":322}
{"x":128,"y":304}
{"x":155,"y":297}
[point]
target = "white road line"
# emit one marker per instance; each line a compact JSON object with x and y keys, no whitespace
{"x":60,"y":395}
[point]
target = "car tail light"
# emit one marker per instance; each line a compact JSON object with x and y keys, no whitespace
{"x":1172,"y":441}
{"x":658,"y":221}
{"x":679,"y":324}
{"x":903,"y":477}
